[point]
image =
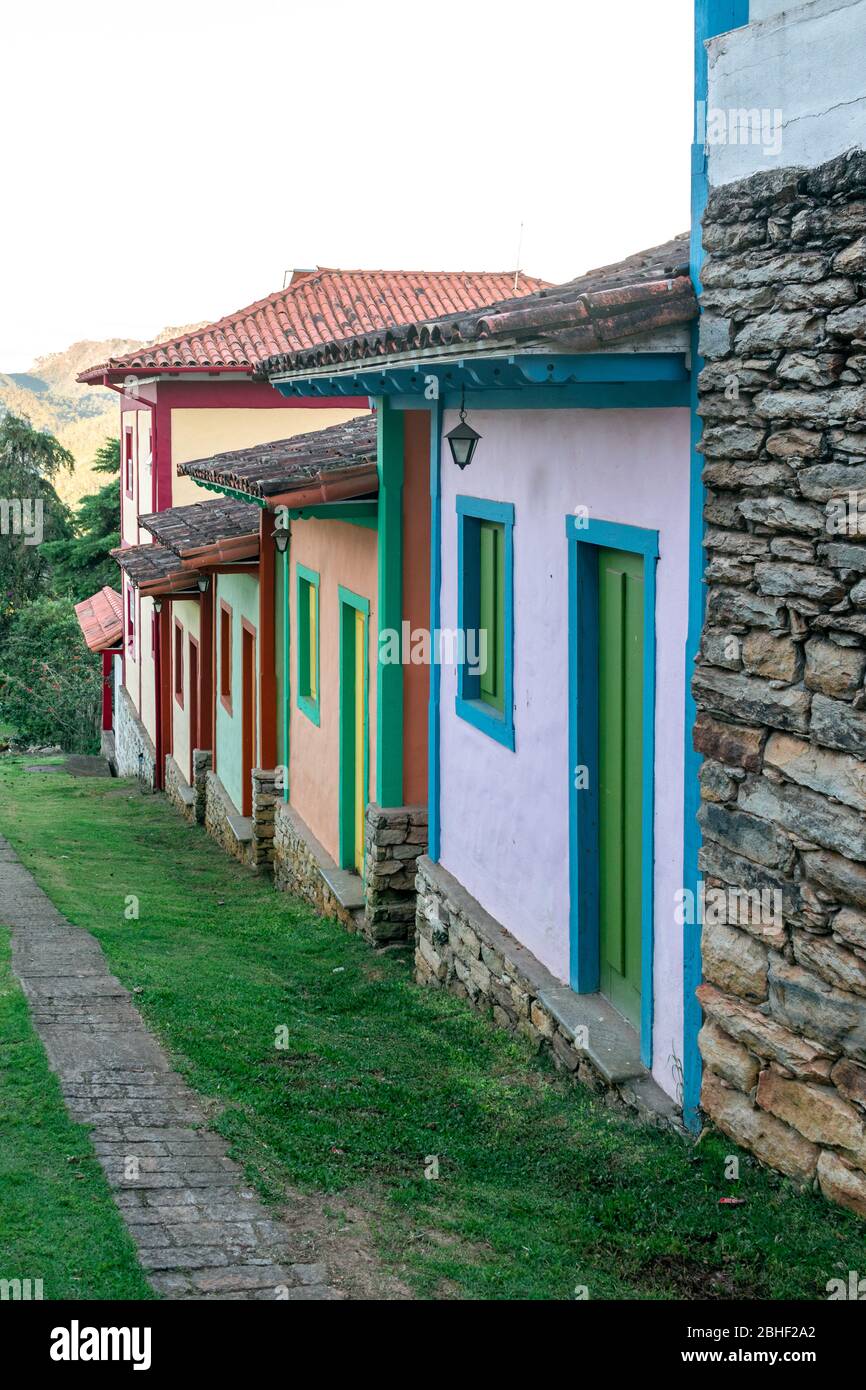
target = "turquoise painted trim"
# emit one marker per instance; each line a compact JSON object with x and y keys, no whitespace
{"x":346,"y":599}
{"x":306,"y":704}
{"x":287,"y":670}
{"x":231,"y":492}
{"x":583,"y":540}
{"x":389,"y":557}
{"x":711,"y":17}
{"x":494,"y":373}
{"x":475,"y":711}
{"x":613,"y":535}
{"x":434,"y":769}
{"x":664,"y":395}
{"x":354,"y":600}
{"x":355,"y":513}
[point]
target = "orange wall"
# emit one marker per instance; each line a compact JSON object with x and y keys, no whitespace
{"x":416,"y":599}
{"x":340,"y":554}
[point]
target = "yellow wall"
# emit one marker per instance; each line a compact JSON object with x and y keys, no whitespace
{"x":186,"y":612}
{"x":196,"y":434}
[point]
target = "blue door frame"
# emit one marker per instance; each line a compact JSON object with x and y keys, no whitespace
{"x":584,"y":539}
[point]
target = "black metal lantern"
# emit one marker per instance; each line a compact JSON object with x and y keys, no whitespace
{"x":463,"y":438}
{"x":280,"y":537}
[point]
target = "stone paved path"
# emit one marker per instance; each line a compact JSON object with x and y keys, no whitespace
{"x":200,"y":1232}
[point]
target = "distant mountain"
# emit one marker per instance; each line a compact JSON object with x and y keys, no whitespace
{"x":81,"y":417}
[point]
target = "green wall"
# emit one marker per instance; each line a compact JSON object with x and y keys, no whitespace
{"x":241,"y":592}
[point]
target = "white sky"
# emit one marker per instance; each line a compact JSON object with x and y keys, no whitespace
{"x":165,"y":163}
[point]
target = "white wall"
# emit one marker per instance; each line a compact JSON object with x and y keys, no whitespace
{"x":804,"y":61}
{"x":504,"y":813}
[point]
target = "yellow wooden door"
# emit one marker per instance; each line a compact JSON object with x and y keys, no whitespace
{"x":360,"y":742}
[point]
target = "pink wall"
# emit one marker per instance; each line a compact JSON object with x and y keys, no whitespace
{"x":505,"y":814}
{"x":341,"y":554}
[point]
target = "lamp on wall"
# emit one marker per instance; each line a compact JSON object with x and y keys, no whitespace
{"x":203,"y":582}
{"x":280,"y":537}
{"x":157,"y":605}
{"x":463,"y":438}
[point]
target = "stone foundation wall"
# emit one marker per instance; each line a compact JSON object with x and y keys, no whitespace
{"x":218,"y":808}
{"x":297,"y":869}
{"x":135,"y":755}
{"x":780,"y":680}
{"x":394,"y":840}
{"x":175,"y":785}
{"x":461,"y":948}
{"x":264,"y":803}
{"x":202,"y":759}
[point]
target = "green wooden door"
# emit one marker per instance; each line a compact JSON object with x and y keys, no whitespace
{"x":620,"y":740}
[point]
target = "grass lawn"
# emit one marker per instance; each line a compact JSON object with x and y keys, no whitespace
{"x":58,"y":1221}
{"x":541,"y":1189}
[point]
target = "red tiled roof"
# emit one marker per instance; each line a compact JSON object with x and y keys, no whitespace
{"x":100,"y":618}
{"x":285,"y":465}
{"x":317,"y":307}
{"x":649,"y":290}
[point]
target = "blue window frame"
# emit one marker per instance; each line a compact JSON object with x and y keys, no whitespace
{"x":485,"y":601}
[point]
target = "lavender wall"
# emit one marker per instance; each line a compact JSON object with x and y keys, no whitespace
{"x":505,"y":814}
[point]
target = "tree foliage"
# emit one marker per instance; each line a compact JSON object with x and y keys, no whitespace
{"x":83,"y":563}
{"x":31,"y":512}
{"x":50,"y":684}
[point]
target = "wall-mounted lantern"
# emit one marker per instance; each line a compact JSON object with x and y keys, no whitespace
{"x":463,"y":438}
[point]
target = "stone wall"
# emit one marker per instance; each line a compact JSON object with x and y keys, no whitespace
{"x":298,"y":868}
{"x":202,"y":758}
{"x":461,"y":948}
{"x":394,"y":839}
{"x":779,"y":684}
{"x":219,"y":816}
{"x":264,"y":802}
{"x":178,"y":790}
{"x":135,"y":755}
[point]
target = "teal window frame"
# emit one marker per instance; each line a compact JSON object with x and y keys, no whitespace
{"x":470,"y":703}
{"x":306,"y":580}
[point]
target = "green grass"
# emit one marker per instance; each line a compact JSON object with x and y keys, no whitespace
{"x":541,"y":1188}
{"x":58,"y":1221}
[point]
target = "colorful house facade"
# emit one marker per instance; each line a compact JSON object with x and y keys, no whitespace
{"x":556,"y":770}
{"x":342,"y":739}
{"x":196,"y":394}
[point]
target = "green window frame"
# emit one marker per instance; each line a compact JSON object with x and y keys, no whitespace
{"x":308,"y":629}
{"x":485,"y":586}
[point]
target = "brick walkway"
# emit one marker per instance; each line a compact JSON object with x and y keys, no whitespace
{"x":200,"y":1232}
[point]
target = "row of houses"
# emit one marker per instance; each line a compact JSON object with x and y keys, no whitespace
{"x":412,"y":616}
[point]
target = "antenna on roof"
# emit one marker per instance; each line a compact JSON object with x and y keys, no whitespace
{"x":519,"y":251}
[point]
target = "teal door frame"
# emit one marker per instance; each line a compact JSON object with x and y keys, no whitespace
{"x":585,"y":538}
{"x":350,"y":604}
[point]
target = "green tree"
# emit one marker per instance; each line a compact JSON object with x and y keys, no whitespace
{"x":50,"y":684}
{"x":83,"y":564}
{"x":31,"y":512}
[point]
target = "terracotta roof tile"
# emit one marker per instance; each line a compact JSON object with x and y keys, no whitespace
{"x":190,"y":529}
{"x":649,"y":290}
{"x":100,"y":618}
{"x":146,"y":565}
{"x":317,"y":307}
{"x":271,"y":470}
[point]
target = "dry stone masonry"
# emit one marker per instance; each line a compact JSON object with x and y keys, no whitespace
{"x":779,"y":684}
{"x":395,"y":838}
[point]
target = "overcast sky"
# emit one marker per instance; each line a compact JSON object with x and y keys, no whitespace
{"x":166,"y":163}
